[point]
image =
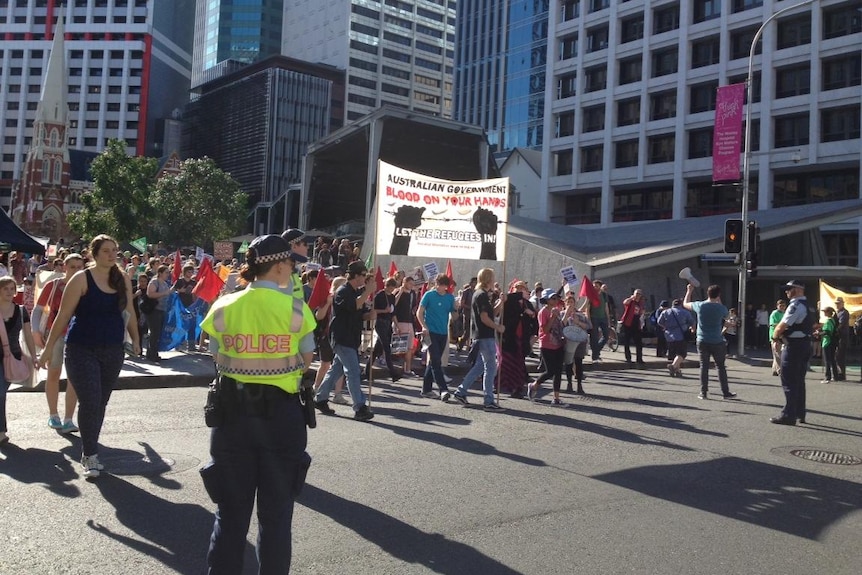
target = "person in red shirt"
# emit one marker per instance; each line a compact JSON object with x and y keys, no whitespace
{"x":49,"y":302}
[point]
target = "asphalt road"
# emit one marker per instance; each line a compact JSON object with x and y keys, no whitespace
{"x":638,"y":477}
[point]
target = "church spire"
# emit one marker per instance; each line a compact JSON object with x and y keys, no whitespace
{"x":52,"y":106}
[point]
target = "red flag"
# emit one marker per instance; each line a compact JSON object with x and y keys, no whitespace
{"x":178,"y":267}
{"x":209,"y":283}
{"x":450,"y":276}
{"x":393,"y":269}
{"x":378,"y":277}
{"x":589,"y":291}
{"x":320,"y":291}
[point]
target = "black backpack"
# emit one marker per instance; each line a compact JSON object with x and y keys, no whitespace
{"x":857,"y":326}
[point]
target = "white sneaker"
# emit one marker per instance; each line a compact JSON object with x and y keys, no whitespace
{"x":91,"y":465}
{"x":339,"y":399}
{"x":444,"y":397}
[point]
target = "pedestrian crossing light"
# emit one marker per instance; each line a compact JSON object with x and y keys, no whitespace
{"x":733,"y":230}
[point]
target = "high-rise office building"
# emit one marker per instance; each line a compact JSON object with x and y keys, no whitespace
{"x":395,"y":52}
{"x":500,"y":66}
{"x":245,"y":32}
{"x":128,"y":71}
{"x":631,"y":105}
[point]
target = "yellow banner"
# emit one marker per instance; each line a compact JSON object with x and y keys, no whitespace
{"x":852,"y":301}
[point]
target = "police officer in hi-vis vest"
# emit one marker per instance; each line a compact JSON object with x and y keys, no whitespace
{"x":265,"y":343}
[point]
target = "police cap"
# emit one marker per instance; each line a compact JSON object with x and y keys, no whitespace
{"x":269,"y":248}
{"x":291,"y":235}
{"x":794,"y":284}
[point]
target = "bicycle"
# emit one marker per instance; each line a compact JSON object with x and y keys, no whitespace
{"x":612,"y":340}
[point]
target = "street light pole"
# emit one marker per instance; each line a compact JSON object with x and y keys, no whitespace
{"x":746,"y":169}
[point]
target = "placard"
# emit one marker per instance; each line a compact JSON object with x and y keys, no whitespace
{"x":223,"y":251}
{"x":430,"y":270}
{"x":569,"y":275}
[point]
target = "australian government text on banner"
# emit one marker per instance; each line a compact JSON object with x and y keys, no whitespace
{"x":421,"y":216}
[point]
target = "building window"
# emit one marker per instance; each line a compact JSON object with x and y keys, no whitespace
{"x":842,"y":21}
{"x":632,"y":28}
{"x":564,"y":161}
{"x":396,"y":55}
{"x":703,"y":97}
{"x":660,"y":148}
{"x":363,"y":47}
{"x":664,"y":62}
{"x":569,"y":47}
{"x":367,"y":12}
{"x":705,"y":199}
{"x":791,"y":130}
{"x":643,"y":204}
{"x":755,"y":85}
{"x":630,"y":70}
{"x":596,"y":5}
{"x":58,"y":171}
{"x":755,"y":135}
{"x":597,"y":39}
{"x":794,"y":31}
{"x":594,"y":118}
{"x":363,"y":29}
{"x":46,"y":171}
{"x":626,"y":154}
{"x":842,"y":248}
{"x":571,"y":9}
{"x":839,"y":124}
{"x":842,"y":72}
{"x":662,"y":105}
{"x":392,"y":89}
{"x":596,"y":78}
{"x":807,"y":188}
{"x":666,"y":19}
{"x":629,"y":111}
{"x":566,"y":124}
{"x":363,"y":82}
{"x":706,"y":10}
{"x":591,"y":158}
{"x":793,"y":81}
{"x":361,"y":100}
{"x":705,"y":52}
{"x":741,"y":5}
{"x":583,"y":209}
{"x":740,"y":43}
{"x":567,"y":85}
{"x":700,"y":143}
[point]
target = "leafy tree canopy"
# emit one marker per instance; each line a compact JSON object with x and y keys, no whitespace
{"x":199,"y":204}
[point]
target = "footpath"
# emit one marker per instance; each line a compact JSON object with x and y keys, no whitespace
{"x":181,"y":369}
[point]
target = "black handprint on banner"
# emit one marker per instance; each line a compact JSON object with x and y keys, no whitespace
{"x":407,"y":219}
{"x":486,"y":224}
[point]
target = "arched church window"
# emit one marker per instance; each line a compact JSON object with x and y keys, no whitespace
{"x":46,"y":171}
{"x":58,"y":171}
{"x":55,"y":138}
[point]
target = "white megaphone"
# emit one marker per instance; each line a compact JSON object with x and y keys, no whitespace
{"x":685,"y":274}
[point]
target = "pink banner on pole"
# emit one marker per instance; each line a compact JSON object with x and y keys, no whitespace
{"x":727,"y":137}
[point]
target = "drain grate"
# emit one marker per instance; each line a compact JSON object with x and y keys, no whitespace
{"x":831,"y":457}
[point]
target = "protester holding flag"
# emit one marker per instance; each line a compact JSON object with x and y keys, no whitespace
{"x":384,"y":308}
{"x":599,"y":315}
{"x":404,"y":303}
{"x":159,"y":289}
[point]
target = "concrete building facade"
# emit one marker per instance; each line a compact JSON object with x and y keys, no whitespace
{"x":395,"y":52}
{"x":630,"y":99}
{"x":128,"y":68}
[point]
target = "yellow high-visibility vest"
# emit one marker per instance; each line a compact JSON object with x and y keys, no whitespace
{"x":258,"y":332}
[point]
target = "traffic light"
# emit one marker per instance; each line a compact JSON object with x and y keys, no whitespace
{"x":733,"y":236}
{"x":751,"y":265}
{"x":753,"y":238}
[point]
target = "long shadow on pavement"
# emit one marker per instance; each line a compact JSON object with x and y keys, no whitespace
{"x":401,"y":540}
{"x":40,"y":467}
{"x":590,"y":427}
{"x":776,"y":497}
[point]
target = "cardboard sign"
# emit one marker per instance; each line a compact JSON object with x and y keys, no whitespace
{"x":431,"y":270}
{"x":223,"y":251}
{"x":569,"y":275}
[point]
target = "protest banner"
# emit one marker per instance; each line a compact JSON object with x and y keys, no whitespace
{"x":430,"y":270}
{"x":418,"y":215}
{"x":569,"y":275}
{"x":223,"y":251}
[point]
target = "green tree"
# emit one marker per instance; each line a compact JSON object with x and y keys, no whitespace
{"x":120,"y":201}
{"x":200,"y":204}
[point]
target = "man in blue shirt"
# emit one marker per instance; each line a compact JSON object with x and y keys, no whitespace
{"x":435,"y":309}
{"x":710,"y":341}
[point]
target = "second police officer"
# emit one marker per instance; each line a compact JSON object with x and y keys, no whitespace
{"x":794,"y":330}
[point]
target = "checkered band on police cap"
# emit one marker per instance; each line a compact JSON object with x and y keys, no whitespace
{"x":292,"y":235}
{"x":269,"y":248}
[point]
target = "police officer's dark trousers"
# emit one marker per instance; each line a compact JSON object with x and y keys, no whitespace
{"x":259,"y":452}
{"x":794,"y":364}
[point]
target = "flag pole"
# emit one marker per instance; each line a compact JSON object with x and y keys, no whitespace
{"x":499,"y":336}
{"x":376,"y":205}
